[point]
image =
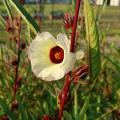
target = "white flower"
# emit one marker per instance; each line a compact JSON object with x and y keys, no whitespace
{"x":50,"y":58}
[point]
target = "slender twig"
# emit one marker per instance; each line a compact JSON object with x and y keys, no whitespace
{"x":65,"y":91}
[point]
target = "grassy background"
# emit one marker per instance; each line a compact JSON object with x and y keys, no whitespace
{"x":109,"y":17}
{"x":36,"y":98}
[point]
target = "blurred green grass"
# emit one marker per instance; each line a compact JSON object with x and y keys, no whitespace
{"x":48,"y":8}
{"x":109,"y":10}
{"x":109,"y":17}
{"x":39,"y":97}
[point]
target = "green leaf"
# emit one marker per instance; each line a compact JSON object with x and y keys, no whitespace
{"x":114,"y":62}
{"x":73,"y":4}
{"x":82,"y":114}
{"x":5,"y":108}
{"x":85,"y":117}
{"x":28,"y":34}
{"x":25,"y":15}
{"x":2,"y":73}
{"x":75,"y":104}
{"x":46,"y":107}
{"x":23,"y":112}
{"x":8,"y":8}
{"x":67,"y":115}
{"x":2,"y":22}
{"x":2,"y":113}
{"x":92,"y":41}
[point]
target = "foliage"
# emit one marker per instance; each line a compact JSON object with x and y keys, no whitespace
{"x":93,"y":97}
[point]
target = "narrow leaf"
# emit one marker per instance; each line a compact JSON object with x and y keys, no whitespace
{"x":25,"y":15}
{"x":2,"y":22}
{"x":23,"y":112}
{"x":5,"y":108}
{"x":67,"y":116}
{"x":28,"y":34}
{"x":75,"y":104}
{"x":92,"y":41}
{"x":83,"y":110}
{"x":85,"y":117}
{"x":2,"y":73}
{"x":8,"y":8}
{"x":114,"y":62}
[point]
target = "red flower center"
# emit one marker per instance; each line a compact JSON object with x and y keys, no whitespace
{"x":56,"y":54}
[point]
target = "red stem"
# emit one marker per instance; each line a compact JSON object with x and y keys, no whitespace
{"x":72,"y":45}
{"x":19,"y":52}
{"x":63,"y":95}
{"x":65,"y":91}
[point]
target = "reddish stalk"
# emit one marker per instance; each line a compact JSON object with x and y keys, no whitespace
{"x":72,"y":45}
{"x":65,"y":91}
{"x":63,"y":95}
{"x":18,"y":59}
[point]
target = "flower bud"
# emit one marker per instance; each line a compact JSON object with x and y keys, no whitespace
{"x":80,"y":72}
{"x":68,"y":21}
{"x":16,"y":22}
{"x":8,"y":25}
{"x":14,"y":105}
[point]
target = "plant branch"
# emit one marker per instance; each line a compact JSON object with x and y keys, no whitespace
{"x":18,"y":59}
{"x":65,"y":91}
{"x":72,"y":45}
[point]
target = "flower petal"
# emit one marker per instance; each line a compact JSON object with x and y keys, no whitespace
{"x":63,"y":41}
{"x":68,"y":63}
{"x":38,"y":53}
{"x":44,"y":36}
{"x":52,"y":73}
{"x":69,"y":57}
